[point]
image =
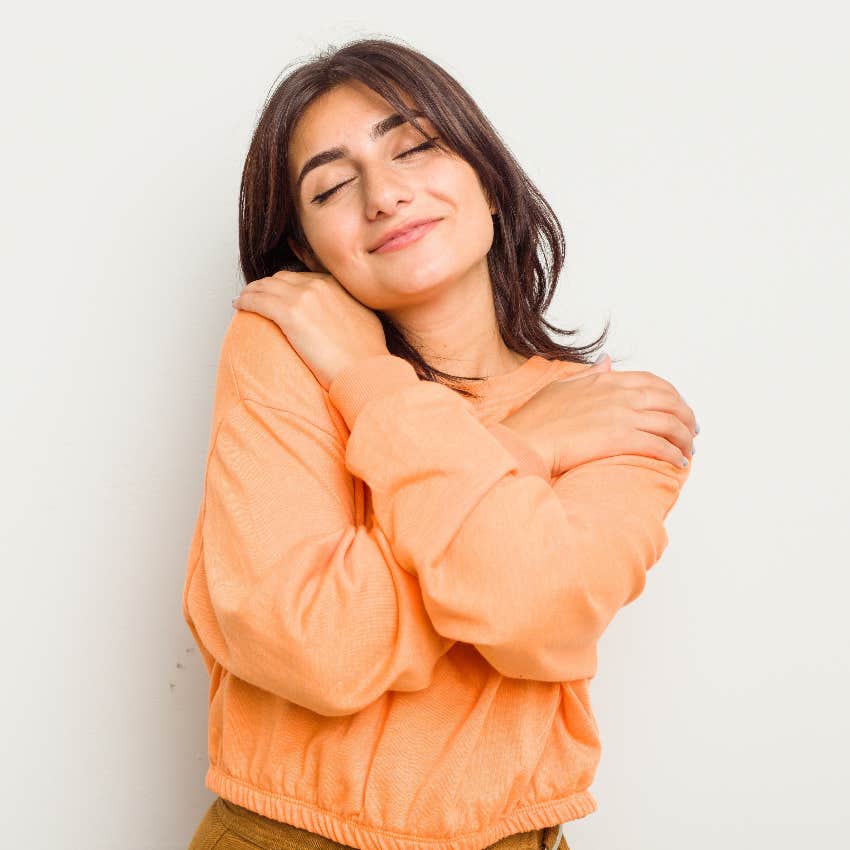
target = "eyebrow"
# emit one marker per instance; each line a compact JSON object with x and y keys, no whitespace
{"x":380,"y":129}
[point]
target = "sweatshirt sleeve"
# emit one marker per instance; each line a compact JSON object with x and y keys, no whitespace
{"x":286,"y":587}
{"x":528,"y":571}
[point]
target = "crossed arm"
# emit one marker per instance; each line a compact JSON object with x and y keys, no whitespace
{"x":471,"y":540}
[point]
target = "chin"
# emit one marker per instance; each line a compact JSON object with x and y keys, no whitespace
{"x":409,"y":292}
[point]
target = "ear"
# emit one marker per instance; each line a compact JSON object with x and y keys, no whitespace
{"x":305,"y":255}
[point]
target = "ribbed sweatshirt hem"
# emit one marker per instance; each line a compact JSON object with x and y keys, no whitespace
{"x":366,"y":836}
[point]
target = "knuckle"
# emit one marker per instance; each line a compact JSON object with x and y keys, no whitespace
{"x":307,"y":296}
{"x":639,"y":397}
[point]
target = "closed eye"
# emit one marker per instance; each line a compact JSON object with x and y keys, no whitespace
{"x":428,"y":143}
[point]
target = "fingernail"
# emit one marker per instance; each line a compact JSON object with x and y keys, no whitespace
{"x":684,"y":461}
{"x":693,"y":450}
{"x":696,"y":426}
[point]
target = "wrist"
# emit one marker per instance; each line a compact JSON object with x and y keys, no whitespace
{"x":523,"y":448}
{"x":367,"y":377}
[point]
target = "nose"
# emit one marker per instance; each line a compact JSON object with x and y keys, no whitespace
{"x":385,"y":188}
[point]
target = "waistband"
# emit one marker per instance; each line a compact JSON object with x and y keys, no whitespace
{"x":271,"y":834}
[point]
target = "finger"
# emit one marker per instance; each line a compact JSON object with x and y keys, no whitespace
{"x":678,"y":406}
{"x":276,"y":290}
{"x":256,"y":301}
{"x":669,"y":427}
{"x":686,"y":413}
{"x":658,"y":394}
{"x":285,"y":275}
{"x":272,"y":283}
{"x":253,"y":286}
{"x":647,"y":442}
{"x":692,"y":413}
{"x":298,"y":278}
{"x":639,"y":377}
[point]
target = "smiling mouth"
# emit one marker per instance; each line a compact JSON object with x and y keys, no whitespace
{"x":414,"y":234}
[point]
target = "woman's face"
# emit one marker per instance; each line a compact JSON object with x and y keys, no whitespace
{"x":380,"y":188}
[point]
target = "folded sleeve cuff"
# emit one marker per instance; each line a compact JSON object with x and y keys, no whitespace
{"x":530,"y":462}
{"x":372,"y":377}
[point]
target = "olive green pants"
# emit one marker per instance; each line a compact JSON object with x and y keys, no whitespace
{"x":226,"y":826}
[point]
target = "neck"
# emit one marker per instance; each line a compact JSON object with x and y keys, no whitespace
{"x":456,"y":329}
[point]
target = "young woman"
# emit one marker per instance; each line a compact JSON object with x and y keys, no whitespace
{"x":419,"y":512}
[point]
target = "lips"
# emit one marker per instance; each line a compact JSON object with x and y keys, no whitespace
{"x":400,"y":230}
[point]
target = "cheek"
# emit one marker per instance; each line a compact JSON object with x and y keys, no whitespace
{"x":473,"y":223}
{"x":338,"y":244}
{"x":453,"y":181}
{"x":450,"y":186}
{"x":335,"y":237}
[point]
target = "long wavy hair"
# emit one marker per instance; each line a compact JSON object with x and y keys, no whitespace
{"x":528,"y":250}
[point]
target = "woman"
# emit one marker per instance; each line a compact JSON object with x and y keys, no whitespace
{"x":420,"y":512}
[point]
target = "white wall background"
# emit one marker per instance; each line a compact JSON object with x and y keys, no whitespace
{"x":697,"y":157}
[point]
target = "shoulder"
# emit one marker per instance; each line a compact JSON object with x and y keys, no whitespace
{"x":266,"y":369}
{"x":558,"y":370}
{"x":566,"y":368}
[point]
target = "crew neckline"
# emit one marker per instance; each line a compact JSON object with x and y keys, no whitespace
{"x":516,"y":377}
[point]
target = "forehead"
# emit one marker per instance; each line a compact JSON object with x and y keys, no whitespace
{"x":342,"y":116}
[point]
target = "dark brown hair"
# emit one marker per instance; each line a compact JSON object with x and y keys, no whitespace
{"x":528,"y":249}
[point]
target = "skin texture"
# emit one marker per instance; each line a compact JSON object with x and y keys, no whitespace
{"x":438,"y":289}
{"x":599,"y":413}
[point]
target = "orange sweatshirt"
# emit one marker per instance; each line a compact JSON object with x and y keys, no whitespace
{"x":397,"y":606}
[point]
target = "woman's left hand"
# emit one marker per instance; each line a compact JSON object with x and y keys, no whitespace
{"x":326,"y":325}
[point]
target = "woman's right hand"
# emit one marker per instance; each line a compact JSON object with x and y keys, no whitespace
{"x":328,"y":327}
{"x":599,"y":413}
